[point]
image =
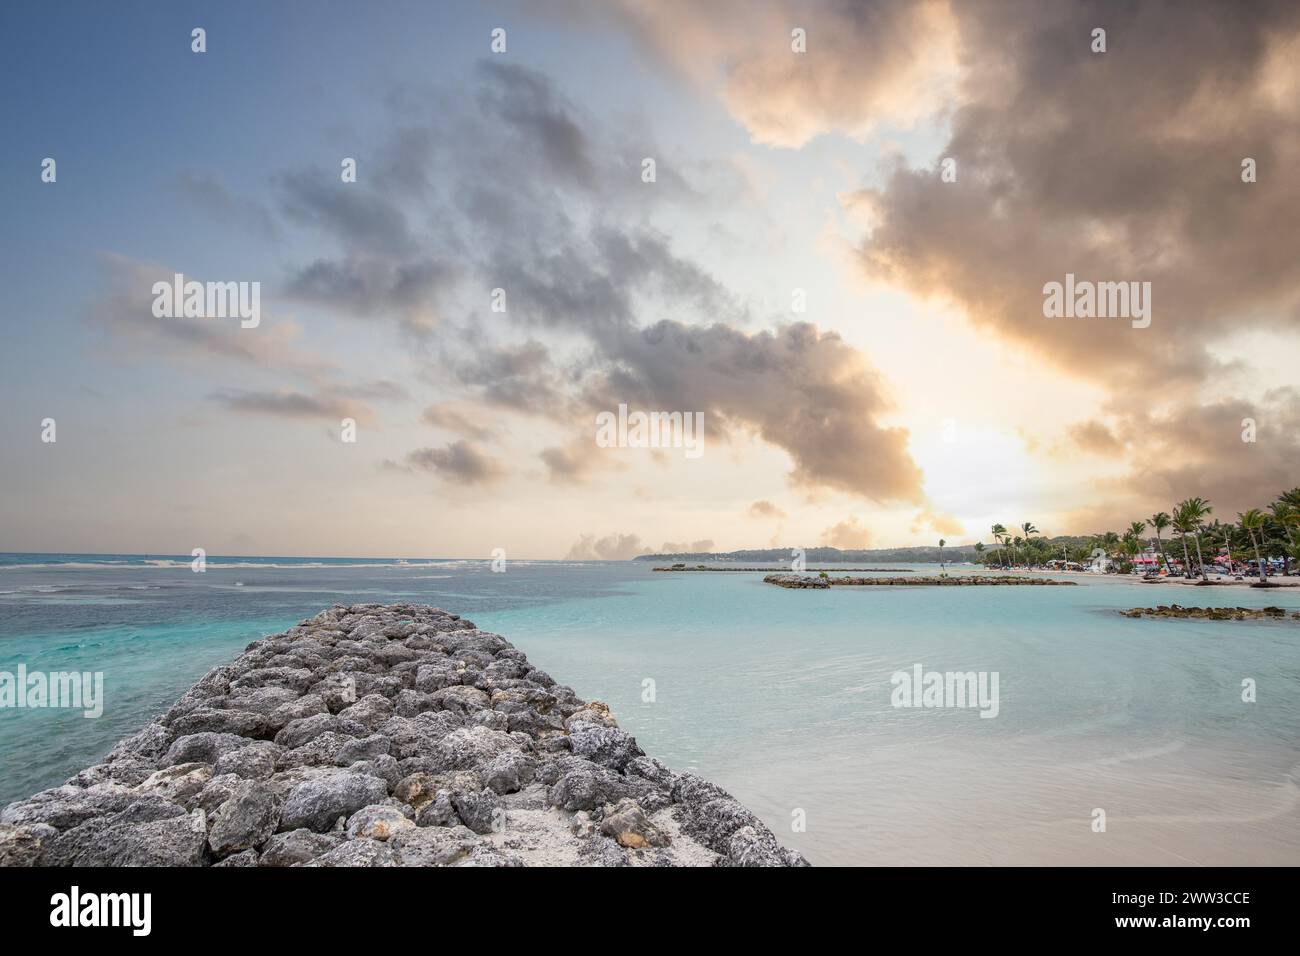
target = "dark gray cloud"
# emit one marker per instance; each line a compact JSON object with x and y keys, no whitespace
{"x":521,"y":377}
{"x":541,"y":123}
{"x":287,"y":404}
{"x":460,"y":462}
{"x":354,"y":214}
{"x":368,"y":286}
{"x":799,"y":388}
{"x":207,"y":191}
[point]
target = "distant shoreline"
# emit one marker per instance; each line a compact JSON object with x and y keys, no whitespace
{"x":701,"y":567}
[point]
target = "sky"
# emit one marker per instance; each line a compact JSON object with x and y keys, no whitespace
{"x":859,"y":323}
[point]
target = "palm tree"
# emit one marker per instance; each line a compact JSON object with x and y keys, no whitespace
{"x":1184,"y":524}
{"x":1291,"y":500}
{"x":1193,"y":512}
{"x":1282,"y":513}
{"x":1015,"y":543}
{"x":1289,"y":518}
{"x":1159,"y":521}
{"x":1029,"y":530}
{"x":1134,"y":535}
{"x":1110,"y":541}
{"x":1201,"y":508}
{"x":942,"y":570}
{"x":1253,"y":520}
{"x":999,"y":533}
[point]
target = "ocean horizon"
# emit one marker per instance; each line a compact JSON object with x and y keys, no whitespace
{"x":782,"y":697}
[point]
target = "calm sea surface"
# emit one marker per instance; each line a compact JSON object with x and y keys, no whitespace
{"x":781,"y":696}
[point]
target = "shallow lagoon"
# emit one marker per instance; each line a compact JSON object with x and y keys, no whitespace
{"x":781,"y":696}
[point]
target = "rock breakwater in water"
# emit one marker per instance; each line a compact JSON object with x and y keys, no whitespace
{"x":702,"y":567}
{"x":383,"y":735}
{"x":959,"y":580}
{"x":1212,"y":613}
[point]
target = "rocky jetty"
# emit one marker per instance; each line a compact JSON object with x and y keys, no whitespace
{"x":957,"y":580}
{"x":1212,"y":613}
{"x":701,"y":567}
{"x":384,"y":735}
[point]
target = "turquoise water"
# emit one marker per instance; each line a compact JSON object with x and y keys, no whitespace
{"x":782,"y":696}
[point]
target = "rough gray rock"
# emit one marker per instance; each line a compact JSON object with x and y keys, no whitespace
{"x":303,"y":730}
{"x":359,"y":852}
{"x":383,"y":735}
{"x":296,"y":846}
{"x":607,"y":746}
{"x":377,"y":822}
{"x":256,"y":761}
{"x":477,"y":810}
{"x":509,"y":772}
{"x":201,"y":748}
{"x":24,"y":845}
{"x":317,"y":804}
{"x":583,"y":785}
{"x":438,"y":812}
{"x":175,"y":841}
{"x":433,"y":846}
{"x":243,"y":858}
{"x":244,"y":821}
{"x":628,"y":824}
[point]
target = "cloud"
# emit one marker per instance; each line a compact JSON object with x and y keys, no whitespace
{"x":799,"y":388}
{"x":848,"y":535}
{"x":287,"y":404}
{"x":124,"y":310}
{"x":358,"y":217}
{"x":703,"y":546}
{"x":1095,"y":438}
{"x":380,"y":389}
{"x":444,"y":416}
{"x":575,"y":463}
{"x":460,"y":462}
{"x":1122,"y":166}
{"x":532,"y":197}
{"x":614,"y":547}
{"x":568,"y":267}
{"x":207,"y":191}
{"x":868,"y":62}
{"x":927,"y":520}
{"x":765,"y":509}
{"x":539,"y":119}
{"x":368,"y":286}
{"x":520,"y":377}
{"x":1197,"y":450}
